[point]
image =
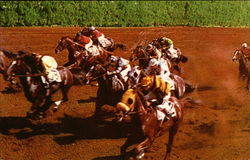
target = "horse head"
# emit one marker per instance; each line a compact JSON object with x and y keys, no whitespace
{"x":63,"y":43}
{"x":17,"y":67}
{"x":138,"y":53}
{"x":126,"y":104}
{"x":95,"y":72}
{"x":237,"y":55}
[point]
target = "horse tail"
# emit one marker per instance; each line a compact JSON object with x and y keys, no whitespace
{"x":189,"y":100}
{"x":184,"y":59}
{"x":121,"y":46}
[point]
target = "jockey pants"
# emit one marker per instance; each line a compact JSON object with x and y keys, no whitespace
{"x":166,"y":107}
{"x":124,"y":73}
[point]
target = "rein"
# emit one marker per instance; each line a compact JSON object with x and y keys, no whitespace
{"x":29,"y":75}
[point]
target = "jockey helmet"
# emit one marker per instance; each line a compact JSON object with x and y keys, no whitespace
{"x":244,"y":45}
{"x":78,"y":34}
{"x":113,"y":58}
{"x":166,"y":42}
{"x":92,"y":28}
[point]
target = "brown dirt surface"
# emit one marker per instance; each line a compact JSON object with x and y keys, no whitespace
{"x":217,"y":129}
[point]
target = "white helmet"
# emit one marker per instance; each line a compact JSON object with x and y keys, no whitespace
{"x":113,"y":58}
{"x":92,"y":28}
{"x":244,"y":45}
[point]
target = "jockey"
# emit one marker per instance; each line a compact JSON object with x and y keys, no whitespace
{"x":83,"y":41}
{"x":159,"y":66}
{"x":168,"y":46}
{"x":245,"y":50}
{"x":98,"y":37}
{"x":122,"y":67}
{"x":154,"y":88}
{"x":49,"y":68}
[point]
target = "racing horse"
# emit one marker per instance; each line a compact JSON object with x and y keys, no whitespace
{"x":181,"y":86}
{"x":73,"y":49}
{"x":6,"y":57}
{"x":244,"y":66}
{"x":110,"y":87}
{"x":77,"y":58}
{"x":26,"y":69}
{"x":146,"y":126}
{"x":175,"y":60}
{"x":111,"y":47}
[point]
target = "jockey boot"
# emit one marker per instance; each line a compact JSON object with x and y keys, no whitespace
{"x":47,"y":88}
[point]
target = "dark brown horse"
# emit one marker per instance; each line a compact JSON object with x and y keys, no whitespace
{"x":6,"y":57}
{"x":244,"y":66}
{"x":110,"y":87}
{"x":26,"y":68}
{"x":144,"y":121}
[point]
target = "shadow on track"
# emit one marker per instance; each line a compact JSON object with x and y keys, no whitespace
{"x":67,"y":131}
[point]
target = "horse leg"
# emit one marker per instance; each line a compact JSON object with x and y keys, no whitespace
{"x":130,"y":141}
{"x":172,"y":133}
{"x":37,"y":111}
{"x":140,"y":149}
{"x":65,"y":98}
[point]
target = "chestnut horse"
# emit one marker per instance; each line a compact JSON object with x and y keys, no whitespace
{"x":144,"y":120}
{"x":26,"y":68}
{"x":244,"y":66}
{"x":73,"y":49}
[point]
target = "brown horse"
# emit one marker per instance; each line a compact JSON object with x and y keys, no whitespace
{"x":26,"y":68}
{"x":110,"y":87}
{"x":6,"y":57}
{"x":73,"y":49}
{"x":144,"y":120}
{"x":244,"y":66}
{"x":77,"y":58}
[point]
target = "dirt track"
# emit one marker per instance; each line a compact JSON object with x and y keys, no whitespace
{"x":219,"y":129}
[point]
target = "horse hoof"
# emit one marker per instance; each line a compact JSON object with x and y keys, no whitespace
{"x":140,"y":155}
{"x":55,"y":109}
{"x":38,"y":116}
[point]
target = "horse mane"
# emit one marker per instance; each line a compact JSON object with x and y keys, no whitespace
{"x":8,"y":53}
{"x":31,"y":61}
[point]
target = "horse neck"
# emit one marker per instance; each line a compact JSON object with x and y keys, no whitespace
{"x":71,"y":49}
{"x":139,"y":104}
